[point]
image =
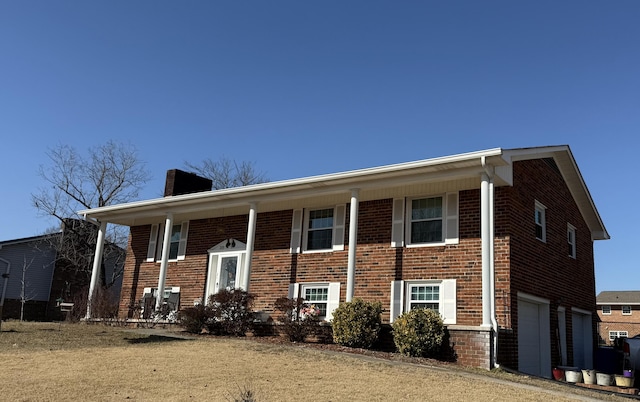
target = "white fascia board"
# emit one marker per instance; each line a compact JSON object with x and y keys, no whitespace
{"x":273,"y":189}
{"x":573,"y":178}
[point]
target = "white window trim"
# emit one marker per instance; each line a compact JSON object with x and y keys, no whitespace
{"x":450,"y":231}
{"x":410,"y":284}
{"x":447,"y":303}
{"x":333,"y":298}
{"x":618,"y":334}
{"x":154,"y":250}
{"x":630,"y":310}
{"x":216,"y":254}
{"x":337,"y":230}
{"x":543,"y":213}
{"x":571,"y":231}
{"x":608,"y":307}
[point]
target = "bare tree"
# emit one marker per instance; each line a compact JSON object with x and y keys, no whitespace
{"x":25,"y":293}
{"x":109,"y":174}
{"x":226,"y":173}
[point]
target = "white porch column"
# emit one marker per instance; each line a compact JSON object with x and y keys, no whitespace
{"x":353,"y":241}
{"x":485,"y":234}
{"x":97,"y":264}
{"x":164,"y":262}
{"x":251,"y":235}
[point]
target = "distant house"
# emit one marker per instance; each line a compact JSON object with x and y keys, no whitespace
{"x":27,"y":266}
{"x":34,"y":277}
{"x":499,"y":242}
{"x":619,"y":314}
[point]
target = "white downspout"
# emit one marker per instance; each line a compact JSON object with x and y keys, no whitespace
{"x":6,"y":280}
{"x":485,"y":233}
{"x":353,"y":240}
{"x":251,"y":235}
{"x":97,"y":264}
{"x":492,"y":268}
{"x":164,"y":262}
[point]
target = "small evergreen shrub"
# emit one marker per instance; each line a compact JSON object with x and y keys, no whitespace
{"x":419,"y":333}
{"x":231,"y":312}
{"x":297,"y":318}
{"x":357,"y":323}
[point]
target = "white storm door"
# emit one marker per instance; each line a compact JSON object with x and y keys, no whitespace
{"x":228,"y":272}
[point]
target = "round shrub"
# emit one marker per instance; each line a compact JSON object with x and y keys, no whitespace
{"x":356,"y":323}
{"x":419,"y":333}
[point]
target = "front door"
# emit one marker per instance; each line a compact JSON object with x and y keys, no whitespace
{"x":227,"y":273}
{"x":225,"y":270}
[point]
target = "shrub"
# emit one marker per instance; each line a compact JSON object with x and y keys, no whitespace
{"x":194,"y":319}
{"x":230,"y":312}
{"x":296,"y":317}
{"x":357,"y":323}
{"x":419,"y":333}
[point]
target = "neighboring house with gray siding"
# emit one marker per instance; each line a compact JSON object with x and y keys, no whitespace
{"x":27,"y":266}
{"x":33,"y":274}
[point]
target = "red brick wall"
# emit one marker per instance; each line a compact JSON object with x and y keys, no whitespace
{"x":616,"y":321}
{"x":522,"y":263}
{"x":544,"y":269}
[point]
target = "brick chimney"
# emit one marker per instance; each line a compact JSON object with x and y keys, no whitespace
{"x":181,"y":182}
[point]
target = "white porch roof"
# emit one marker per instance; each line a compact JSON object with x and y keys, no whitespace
{"x":456,"y":172}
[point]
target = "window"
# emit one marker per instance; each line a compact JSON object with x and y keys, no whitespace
{"x":571,"y":240}
{"x":318,"y":229}
{"x":540,"y":217}
{"x":170,"y":301}
{"x":606,"y":310}
{"x":325,"y":296}
{"x":318,"y":296}
{"x":439,"y":295}
{"x":426,"y":221}
{"x":618,"y":334}
{"x":626,"y":310}
{"x":424,"y":296}
{"x":177,"y":242}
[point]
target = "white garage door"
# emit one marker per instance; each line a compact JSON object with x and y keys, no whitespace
{"x":582,"y":340}
{"x":534,"y":343}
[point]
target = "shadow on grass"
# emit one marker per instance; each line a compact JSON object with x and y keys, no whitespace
{"x":154,"y":339}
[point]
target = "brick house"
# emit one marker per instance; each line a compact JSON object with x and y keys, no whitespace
{"x":619,"y":315}
{"x":500,"y":242}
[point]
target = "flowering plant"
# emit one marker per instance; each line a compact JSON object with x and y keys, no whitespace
{"x":309,"y":312}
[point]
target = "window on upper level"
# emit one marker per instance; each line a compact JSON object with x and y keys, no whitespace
{"x":571,"y":240}
{"x":626,"y":310}
{"x":177,"y":243}
{"x":541,"y":222}
{"x":606,"y":310}
{"x":315,"y":230}
{"x":426,"y":221}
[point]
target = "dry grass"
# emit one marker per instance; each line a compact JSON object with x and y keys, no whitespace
{"x":56,"y":362}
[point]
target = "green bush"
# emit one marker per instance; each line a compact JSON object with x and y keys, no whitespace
{"x":357,"y":323}
{"x":419,"y":333}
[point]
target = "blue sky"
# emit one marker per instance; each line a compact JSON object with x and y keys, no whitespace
{"x":303,"y":88}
